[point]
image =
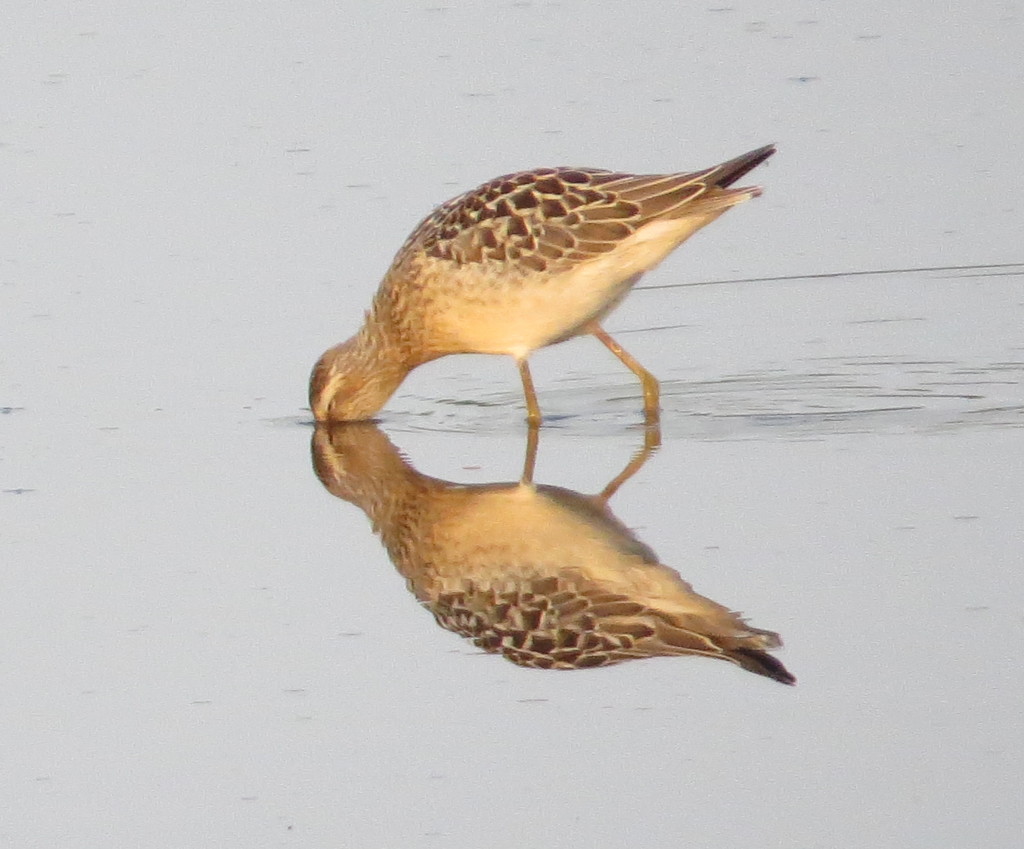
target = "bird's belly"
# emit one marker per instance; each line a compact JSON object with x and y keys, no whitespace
{"x":491,"y":310}
{"x":517,"y":316}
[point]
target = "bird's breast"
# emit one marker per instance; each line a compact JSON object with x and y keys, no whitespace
{"x":491,"y":308}
{"x":477,"y":310}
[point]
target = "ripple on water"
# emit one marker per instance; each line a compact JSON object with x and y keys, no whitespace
{"x":815,"y":398}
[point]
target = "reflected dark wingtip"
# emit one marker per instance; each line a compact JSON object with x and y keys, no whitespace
{"x":763,"y":664}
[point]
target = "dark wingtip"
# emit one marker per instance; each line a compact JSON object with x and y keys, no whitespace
{"x":729,"y":172}
{"x":764,"y":664}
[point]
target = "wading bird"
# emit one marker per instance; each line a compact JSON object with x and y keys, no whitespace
{"x":523,"y":261}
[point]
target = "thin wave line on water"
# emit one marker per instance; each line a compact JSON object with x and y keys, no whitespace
{"x":652,"y":329}
{"x":853,"y":396}
{"x":1001,"y":269}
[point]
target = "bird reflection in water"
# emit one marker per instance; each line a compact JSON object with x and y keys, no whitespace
{"x":545,"y":576}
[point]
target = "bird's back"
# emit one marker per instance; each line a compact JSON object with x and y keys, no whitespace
{"x":536,"y":257}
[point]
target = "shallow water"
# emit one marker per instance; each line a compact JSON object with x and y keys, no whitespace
{"x":204,"y":646}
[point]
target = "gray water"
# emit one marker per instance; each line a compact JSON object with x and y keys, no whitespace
{"x":201,"y":646}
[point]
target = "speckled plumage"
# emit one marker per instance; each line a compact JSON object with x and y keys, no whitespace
{"x":567,"y":621}
{"x":542,"y":575}
{"x":523,"y":261}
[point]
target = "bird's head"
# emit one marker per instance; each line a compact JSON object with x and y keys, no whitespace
{"x":352,"y":381}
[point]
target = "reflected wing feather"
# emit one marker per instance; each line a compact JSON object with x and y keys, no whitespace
{"x":570,"y":623}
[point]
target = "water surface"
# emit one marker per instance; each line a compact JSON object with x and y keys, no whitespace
{"x":202,"y":646}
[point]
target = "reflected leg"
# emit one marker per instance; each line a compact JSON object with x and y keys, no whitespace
{"x":652,"y":442}
{"x":530,"y":460}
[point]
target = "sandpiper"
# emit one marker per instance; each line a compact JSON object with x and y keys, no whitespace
{"x":523,"y":261}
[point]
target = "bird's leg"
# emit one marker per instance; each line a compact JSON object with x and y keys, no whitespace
{"x":532,"y":407}
{"x":647,"y":380}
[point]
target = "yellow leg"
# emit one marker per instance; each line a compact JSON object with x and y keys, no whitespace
{"x":647,"y":380}
{"x":652,"y":442}
{"x":532,"y":407}
{"x":530,"y":460}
